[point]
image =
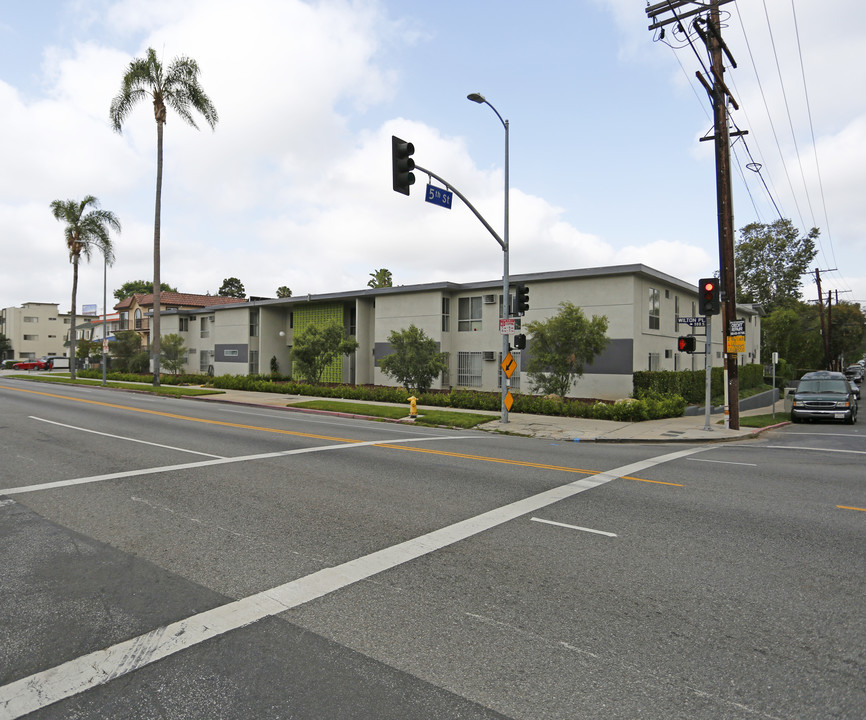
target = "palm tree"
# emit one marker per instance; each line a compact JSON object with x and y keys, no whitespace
{"x":177,"y":87}
{"x":83,"y":231}
{"x":381,"y":278}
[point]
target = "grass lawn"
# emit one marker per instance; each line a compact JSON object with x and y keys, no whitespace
{"x":448,"y":418}
{"x":167,"y":390}
{"x":759,"y":421}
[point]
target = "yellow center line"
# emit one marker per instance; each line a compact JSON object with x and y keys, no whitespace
{"x":848,"y":507}
{"x":521,"y":463}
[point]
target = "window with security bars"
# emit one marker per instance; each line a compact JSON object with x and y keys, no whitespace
{"x":446,"y":314}
{"x":469,"y":314}
{"x":254,"y":323}
{"x":205,"y":359}
{"x":254,"y":362}
{"x":469,"y":369}
{"x":654,"y":362}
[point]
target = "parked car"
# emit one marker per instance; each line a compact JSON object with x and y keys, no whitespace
{"x":30,"y":365}
{"x":855,"y":373}
{"x":824,"y":395}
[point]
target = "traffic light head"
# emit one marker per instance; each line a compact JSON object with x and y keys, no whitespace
{"x":709,"y":299}
{"x":686,"y":344}
{"x":519,"y":342}
{"x":521,"y":299}
{"x":402,"y":164}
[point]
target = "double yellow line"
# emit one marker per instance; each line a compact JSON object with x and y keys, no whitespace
{"x":174,"y":416}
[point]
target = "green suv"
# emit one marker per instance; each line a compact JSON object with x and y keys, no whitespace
{"x":824,"y":396}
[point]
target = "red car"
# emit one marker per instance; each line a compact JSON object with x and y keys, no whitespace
{"x":30,"y":365}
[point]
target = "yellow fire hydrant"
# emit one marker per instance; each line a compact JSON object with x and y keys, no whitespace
{"x":413,"y":407}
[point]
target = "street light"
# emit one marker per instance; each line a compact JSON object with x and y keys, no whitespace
{"x":481,"y":100}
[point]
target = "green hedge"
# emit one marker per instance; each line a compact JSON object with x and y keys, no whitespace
{"x":691,"y":384}
{"x":648,"y":404}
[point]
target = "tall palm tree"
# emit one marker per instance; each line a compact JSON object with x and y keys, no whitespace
{"x":177,"y":87}
{"x":85,"y":229}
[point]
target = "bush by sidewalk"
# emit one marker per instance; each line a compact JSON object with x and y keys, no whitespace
{"x":647,"y":405}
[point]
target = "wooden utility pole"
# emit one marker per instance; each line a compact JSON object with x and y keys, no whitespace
{"x":708,"y":27}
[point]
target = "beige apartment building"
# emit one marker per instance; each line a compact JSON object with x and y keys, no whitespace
{"x":35,"y":330}
{"x":645,"y":309}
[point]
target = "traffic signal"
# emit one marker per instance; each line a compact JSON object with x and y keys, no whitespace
{"x":521,"y":299}
{"x":687,"y":344}
{"x":402,"y":164}
{"x":709,"y":302}
{"x":519,"y":342}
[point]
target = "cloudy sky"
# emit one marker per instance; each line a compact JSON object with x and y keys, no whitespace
{"x":294,"y":188}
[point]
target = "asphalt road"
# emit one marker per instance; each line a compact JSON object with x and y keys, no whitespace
{"x":180,"y":559}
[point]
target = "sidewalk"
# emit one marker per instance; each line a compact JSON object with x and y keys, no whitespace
{"x":682,"y":429}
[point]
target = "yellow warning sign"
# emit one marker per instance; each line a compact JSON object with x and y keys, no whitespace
{"x":509,"y":365}
{"x":509,"y":401}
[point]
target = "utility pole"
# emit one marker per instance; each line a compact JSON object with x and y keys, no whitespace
{"x":708,"y":28}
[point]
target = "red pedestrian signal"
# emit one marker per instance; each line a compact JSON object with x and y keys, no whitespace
{"x":687,"y":344}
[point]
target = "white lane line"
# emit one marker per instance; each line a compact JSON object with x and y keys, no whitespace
{"x":309,"y":420}
{"x":123,"y":437}
{"x":573,"y":527}
{"x":97,"y":668}
{"x":211,"y":463}
{"x":815,"y":449}
{"x":723,"y":462}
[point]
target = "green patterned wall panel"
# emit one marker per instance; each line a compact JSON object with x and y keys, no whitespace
{"x":321,"y":315}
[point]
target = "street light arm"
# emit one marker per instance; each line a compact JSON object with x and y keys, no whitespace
{"x":453,"y":189}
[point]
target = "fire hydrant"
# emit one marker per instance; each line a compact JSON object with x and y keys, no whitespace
{"x":413,"y":407}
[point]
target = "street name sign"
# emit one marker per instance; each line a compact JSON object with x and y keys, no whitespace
{"x":693,"y":321}
{"x":438,"y":196}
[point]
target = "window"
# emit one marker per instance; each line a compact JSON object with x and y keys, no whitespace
{"x":29,"y":319}
{"x":205,"y":360}
{"x":183,"y":324}
{"x":654,"y":309}
{"x":469,"y":368}
{"x":205,"y":330}
{"x":653,"y":362}
{"x":469,"y":314}
{"x":254,"y":323}
{"x":124,"y":321}
{"x":676,"y":313}
{"x":32,"y":338}
{"x":254,"y":361}
{"x":446,"y":314}
{"x":140,"y":323}
{"x":230,"y":353}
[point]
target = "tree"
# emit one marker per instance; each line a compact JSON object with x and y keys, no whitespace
{"x":5,"y":346}
{"x":232,"y":287}
{"x":173,"y":352}
{"x":415,"y":359}
{"x":560,"y":346}
{"x":141,"y":287}
{"x":177,"y":87}
{"x":86,"y":226}
{"x":316,"y":347}
{"x":284,"y":291}
{"x":126,"y":348}
{"x":86,"y":348}
{"x":771,"y":260}
{"x":380,"y":279}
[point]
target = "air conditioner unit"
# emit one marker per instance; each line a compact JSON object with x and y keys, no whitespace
{"x":489,"y":299}
{"x":490,"y":355}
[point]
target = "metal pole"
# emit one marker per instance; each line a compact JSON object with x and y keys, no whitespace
{"x":708,"y":372}
{"x":104,"y":313}
{"x":506,"y":304}
{"x":506,"y":300}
